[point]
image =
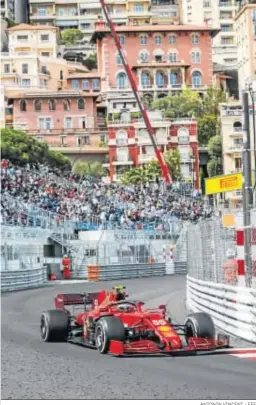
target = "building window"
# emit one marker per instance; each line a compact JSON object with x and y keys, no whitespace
{"x":195,"y":39}
{"x":138,"y":8}
{"x":66,"y":105}
{"x":23,"y":105}
{"x":61,"y":75}
{"x":158,"y":40}
{"x":44,"y":69}
{"x":45,"y":54}
{"x":52,"y":105}
{"x":160,"y":79}
{"x":172,"y":39}
{"x":83,"y":123}
{"x":45,"y":123}
{"x":37,"y":105}
{"x":237,"y":126}
{"x":143,"y":57}
{"x":254,"y":29}
{"x":238,"y":163}
{"x":143,"y":39}
{"x":195,"y":57}
{"x":122,"y":39}
{"x":172,"y":57}
{"x":6,"y":68}
{"x":75,"y":84}
{"x":183,"y":136}
{"x":25,"y":68}
{"x":22,"y":38}
{"x":80,"y":104}
{"x":95,"y":84}
{"x":145,"y":80}
{"x":118,"y":59}
{"x":174,"y":78}
{"x":226,"y":27}
{"x":41,"y":12}
{"x":68,"y":123}
{"x":196,"y":79}
{"x":121,"y":80}
{"x":25,"y":83}
{"x":254,"y":15}
{"x":85,"y":85}
{"x":45,"y":37}
{"x":227,"y":41}
{"x":121,"y":138}
{"x":63,"y":141}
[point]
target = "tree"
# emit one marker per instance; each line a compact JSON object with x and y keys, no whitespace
{"x":207,"y":128}
{"x":184,"y":104}
{"x":91,"y":61}
{"x":71,"y":35}
{"x":20,"y":149}
{"x":151,"y":171}
{"x":214,"y":165}
{"x":94,"y":169}
{"x":210,"y":102}
{"x":172,"y":159}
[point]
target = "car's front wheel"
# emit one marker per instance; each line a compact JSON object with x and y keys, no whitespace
{"x":107,"y":329}
{"x":54,"y":325}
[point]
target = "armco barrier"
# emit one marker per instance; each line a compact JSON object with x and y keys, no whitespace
{"x":124,"y":271}
{"x":23,"y":279}
{"x":233,"y":309}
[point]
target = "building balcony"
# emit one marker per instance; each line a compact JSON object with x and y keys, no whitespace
{"x":138,"y":14}
{"x":44,"y":1}
{"x":226,"y":4}
{"x":235,"y":149}
{"x":122,"y":163}
{"x":231,"y":113}
{"x":146,"y":158}
{"x":161,"y":63}
{"x":49,"y":16}
{"x":85,"y":149}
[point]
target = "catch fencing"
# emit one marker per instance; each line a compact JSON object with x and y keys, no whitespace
{"x":216,"y":280}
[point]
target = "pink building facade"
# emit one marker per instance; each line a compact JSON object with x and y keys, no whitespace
{"x":164,"y":58}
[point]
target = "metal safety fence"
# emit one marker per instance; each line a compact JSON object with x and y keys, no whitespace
{"x":23,"y":279}
{"x":21,"y":256}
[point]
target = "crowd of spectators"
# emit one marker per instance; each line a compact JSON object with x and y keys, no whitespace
{"x":91,"y":203}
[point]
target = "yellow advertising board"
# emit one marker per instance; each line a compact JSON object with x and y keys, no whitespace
{"x":222,"y":184}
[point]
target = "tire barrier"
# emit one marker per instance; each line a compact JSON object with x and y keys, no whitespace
{"x":233,"y":309}
{"x":125,"y":271}
{"x":23,"y":279}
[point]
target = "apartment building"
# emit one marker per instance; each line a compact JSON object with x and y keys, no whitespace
{"x":231,"y":118}
{"x":82,"y":14}
{"x":130,"y":145}
{"x":15,"y":10}
{"x":218,"y":14}
{"x":164,"y":59}
{"x":32,"y":60}
{"x":245,"y":24}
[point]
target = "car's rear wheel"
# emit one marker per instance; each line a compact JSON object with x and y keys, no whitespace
{"x":107,"y":329}
{"x":199,"y":325}
{"x":54,"y":325}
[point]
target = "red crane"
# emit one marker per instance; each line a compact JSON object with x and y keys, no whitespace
{"x":164,"y":168}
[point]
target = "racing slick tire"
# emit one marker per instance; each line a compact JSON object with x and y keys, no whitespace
{"x":107,"y":329}
{"x":199,"y":325}
{"x":54,"y":325}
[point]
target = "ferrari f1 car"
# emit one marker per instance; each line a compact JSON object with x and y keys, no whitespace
{"x":112,"y":323}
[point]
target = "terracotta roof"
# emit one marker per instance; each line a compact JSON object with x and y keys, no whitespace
{"x":156,"y":28}
{"x":88,"y":75}
{"x":28,"y":27}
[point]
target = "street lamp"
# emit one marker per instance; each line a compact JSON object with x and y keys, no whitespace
{"x":252,"y":91}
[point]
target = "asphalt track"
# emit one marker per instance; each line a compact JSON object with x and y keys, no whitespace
{"x":32,"y":369}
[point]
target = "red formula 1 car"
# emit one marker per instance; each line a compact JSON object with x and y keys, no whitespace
{"x":114,"y":324}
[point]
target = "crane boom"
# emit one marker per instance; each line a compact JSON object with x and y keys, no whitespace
{"x":164,"y":168}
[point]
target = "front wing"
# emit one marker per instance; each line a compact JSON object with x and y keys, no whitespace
{"x":149,"y":347}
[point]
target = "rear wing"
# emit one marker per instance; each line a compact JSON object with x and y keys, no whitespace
{"x":62,"y":300}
